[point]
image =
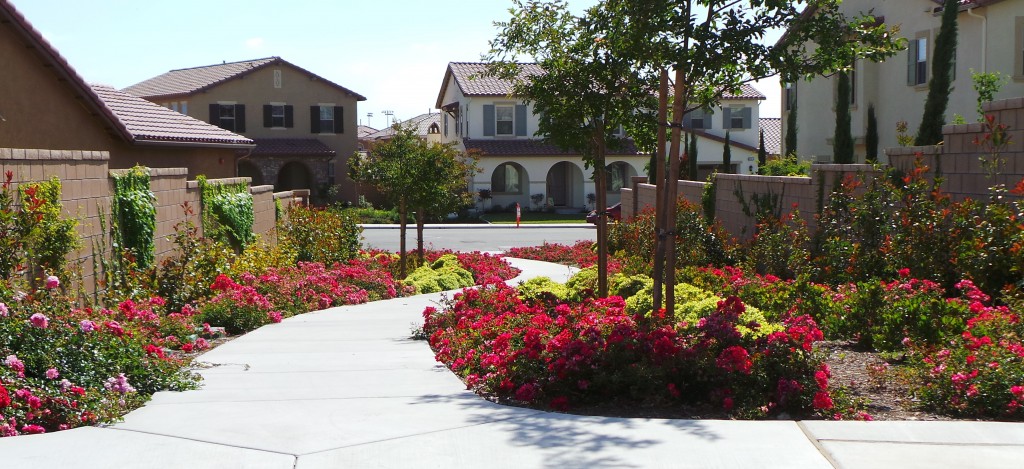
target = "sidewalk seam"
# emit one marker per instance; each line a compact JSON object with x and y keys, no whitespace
{"x":817,"y":444}
{"x":203,"y":441}
{"x":925,"y":443}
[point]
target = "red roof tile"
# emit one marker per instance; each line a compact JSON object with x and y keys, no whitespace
{"x":532,"y":147}
{"x":148,"y":122}
{"x":187,"y":81}
{"x":772,"y":128}
{"x":291,"y":147}
{"x":420,"y":123}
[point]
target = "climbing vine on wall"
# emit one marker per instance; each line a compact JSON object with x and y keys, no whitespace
{"x":227,"y":212}
{"x":135,"y":215}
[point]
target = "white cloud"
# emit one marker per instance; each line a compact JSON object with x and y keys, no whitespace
{"x":254,"y":43}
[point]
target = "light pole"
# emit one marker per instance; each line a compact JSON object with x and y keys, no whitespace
{"x":388,"y":116}
{"x":369,"y":115}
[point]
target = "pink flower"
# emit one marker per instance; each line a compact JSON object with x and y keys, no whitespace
{"x":119,"y":384}
{"x":904,"y":272}
{"x":52,"y":373}
{"x":39,"y":321}
{"x":16,"y":365}
{"x":52,"y":282}
{"x":87,"y":326}
{"x":33,"y":429}
{"x":526,"y":392}
{"x":4,"y":312}
{"x":275,"y":316}
{"x":1017,"y":391}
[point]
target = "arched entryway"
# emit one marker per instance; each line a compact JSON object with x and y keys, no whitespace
{"x":509,"y":178}
{"x":248,"y":170}
{"x":618,"y":175}
{"x":565,"y":185}
{"x":294,"y":175}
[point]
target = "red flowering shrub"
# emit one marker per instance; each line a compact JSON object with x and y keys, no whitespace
{"x":582,"y":254}
{"x":593,"y":351}
{"x":310,"y":286}
{"x":238,"y":308}
{"x":981,"y":373}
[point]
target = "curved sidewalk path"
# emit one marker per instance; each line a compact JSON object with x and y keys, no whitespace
{"x":346,"y":388}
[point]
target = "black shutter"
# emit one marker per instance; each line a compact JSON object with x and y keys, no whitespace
{"x":726,"y":118}
{"x":912,"y":62}
{"x":215,"y":114}
{"x":488,"y":120}
{"x":314,"y":119}
{"x":239,"y":118}
{"x":289,"y":116}
{"x":748,"y":118}
{"x":268,"y":116}
{"x":339,"y":119}
{"x":520,"y":116}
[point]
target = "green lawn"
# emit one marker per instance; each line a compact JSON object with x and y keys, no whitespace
{"x":534,"y":218}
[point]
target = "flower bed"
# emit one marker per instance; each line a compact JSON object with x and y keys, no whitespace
{"x":577,"y":354}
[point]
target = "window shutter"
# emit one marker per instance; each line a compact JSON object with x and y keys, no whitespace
{"x":239,"y":118}
{"x":314,"y":119}
{"x":488,"y":120}
{"x":520,"y":120}
{"x":339,"y":119}
{"x":747,"y":117}
{"x":688,"y":120}
{"x":289,"y":116}
{"x":912,"y":62}
{"x":215,"y":114}
{"x":268,"y":116}
{"x":445,"y":124}
{"x":726,"y":118}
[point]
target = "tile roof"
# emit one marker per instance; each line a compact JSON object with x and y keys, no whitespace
{"x":772,"y":128}
{"x":291,"y":147}
{"x":746,"y":91}
{"x":720,"y":139}
{"x":421,"y":123}
{"x":532,"y":147}
{"x":149,"y":122}
{"x":187,"y":81}
{"x":470,"y":80}
{"x":364,"y":130}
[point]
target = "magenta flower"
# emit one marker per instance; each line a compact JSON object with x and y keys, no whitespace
{"x":52,"y":373}
{"x":39,"y":321}
{"x":87,"y":326}
{"x":4,"y":312}
{"x":52,"y":282}
{"x":32,"y":429}
{"x":16,"y":365}
{"x":119,"y":384}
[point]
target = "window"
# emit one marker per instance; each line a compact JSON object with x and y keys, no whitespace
{"x":504,"y":118}
{"x":278,"y":116}
{"x":698,"y":119}
{"x":738,"y":117}
{"x":184,"y":107}
{"x":917,"y":61}
{"x":507,"y":179}
{"x":326,"y":119}
{"x":277,"y":79}
{"x":174,"y":106}
{"x":228,"y":116}
{"x":790,"y":96}
{"x":616,"y":176}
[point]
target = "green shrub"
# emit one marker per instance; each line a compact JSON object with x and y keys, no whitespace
{"x":51,"y":237}
{"x":785,"y":166}
{"x":543,"y":290}
{"x":318,"y":235}
{"x":628,"y":285}
{"x":441,"y":275}
{"x":583,"y":284}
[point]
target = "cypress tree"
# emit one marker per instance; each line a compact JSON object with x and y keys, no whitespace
{"x":871,"y":139}
{"x":791,"y":132}
{"x":842,"y":142}
{"x":727,"y":155}
{"x":684,"y":164}
{"x":652,"y":169}
{"x":930,"y":132}
{"x":693,"y":158}
{"x":762,"y":153}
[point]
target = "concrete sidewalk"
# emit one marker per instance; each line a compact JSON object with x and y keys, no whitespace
{"x":345,"y":387}
{"x":483,"y":226}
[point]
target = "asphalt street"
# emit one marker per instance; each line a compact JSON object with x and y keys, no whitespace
{"x":478,"y":237}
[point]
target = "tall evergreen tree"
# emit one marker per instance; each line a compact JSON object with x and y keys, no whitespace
{"x":930,"y":132}
{"x":791,"y":132}
{"x":842,"y":141}
{"x":684,"y":163}
{"x":727,"y":155}
{"x":693,"y":158}
{"x":871,"y":139}
{"x":762,"y":153}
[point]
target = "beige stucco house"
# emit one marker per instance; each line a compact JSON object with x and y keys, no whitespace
{"x":304,"y":125}
{"x":45,"y":104}
{"x":990,"y":39}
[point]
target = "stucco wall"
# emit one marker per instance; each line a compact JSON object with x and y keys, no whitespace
{"x":885,"y":84}
{"x":87,"y":188}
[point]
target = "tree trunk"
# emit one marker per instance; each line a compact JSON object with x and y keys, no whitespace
{"x":420,"y":217}
{"x":678,"y":107}
{"x":602,"y":211}
{"x":659,"y":202}
{"x":402,"y":220}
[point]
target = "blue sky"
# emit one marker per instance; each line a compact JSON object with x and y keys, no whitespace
{"x":394,"y":52}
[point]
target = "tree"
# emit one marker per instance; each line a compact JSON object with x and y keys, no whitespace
{"x":871,"y":139}
{"x":584,"y":92}
{"x":656,"y":35}
{"x":930,"y":131}
{"x":414,"y":175}
{"x":791,"y":132}
{"x":762,"y":153}
{"x":727,"y":155}
{"x":842,"y":141}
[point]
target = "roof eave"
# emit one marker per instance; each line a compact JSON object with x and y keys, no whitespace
{"x":185,"y":143}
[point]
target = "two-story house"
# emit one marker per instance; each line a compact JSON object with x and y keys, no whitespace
{"x":46,"y":104}
{"x":304,"y":126}
{"x":480,"y":114}
{"x":737,"y":114}
{"x":990,"y":39}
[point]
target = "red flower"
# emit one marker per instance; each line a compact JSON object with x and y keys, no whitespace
{"x":822,"y":401}
{"x":735,"y":358}
{"x":526,"y":392}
